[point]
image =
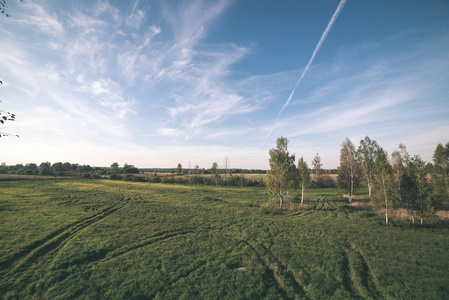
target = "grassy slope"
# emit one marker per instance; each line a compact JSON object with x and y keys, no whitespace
{"x":103,"y":239}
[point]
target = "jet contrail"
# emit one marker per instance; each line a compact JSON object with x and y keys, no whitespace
{"x":317,"y":48}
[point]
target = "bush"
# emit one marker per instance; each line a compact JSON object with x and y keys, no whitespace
{"x":156,"y":179}
{"x":115,"y":177}
{"x":129,"y":177}
{"x":196,"y":180}
{"x":131,"y":170}
{"x":325,"y":181}
{"x":139,"y":179}
{"x":208,"y":181}
{"x":168,"y":179}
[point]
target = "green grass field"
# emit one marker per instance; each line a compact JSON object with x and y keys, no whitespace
{"x":121,"y":240}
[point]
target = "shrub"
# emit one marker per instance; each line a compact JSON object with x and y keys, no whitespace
{"x":115,"y":177}
{"x":196,"y":180}
{"x":168,"y":179}
{"x":129,"y":177}
{"x":139,"y":179}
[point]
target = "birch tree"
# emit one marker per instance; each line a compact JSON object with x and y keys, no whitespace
{"x":226,"y":166}
{"x":422,"y":204}
{"x":190,"y":167}
{"x":179,"y":169}
{"x":303,"y":176}
{"x":214,"y":171}
{"x":366,"y":155}
{"x":348,"y":168}
{"x":282,"y":173}
{"x":440,"y":172}
{"x":400,"y":159}
{"x":382,"y":181}
{"x":415,"y":194}
{"x":317,"y":165}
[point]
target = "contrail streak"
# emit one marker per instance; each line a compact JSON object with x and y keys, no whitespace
{"x":317,"y":48}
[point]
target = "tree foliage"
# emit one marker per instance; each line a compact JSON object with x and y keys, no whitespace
{"x":440,"y":172}
{"x":45,"y":168}
{"x":6,"y":116}
{"x":317,"y":166}
{"x":382,"y":180}
{"x":282,"y":174}
{"x":214,"y":170}
{"x":414,"y":193}
{"x":114,"y":168}
{"x":400,"y":160}
{"x":348,"y":170}
{"x":3,"y":7}
{"x":366,"y":155}
{"x":130,"y":169}
{"x":179,"y":169}
{"x":420,"y":196}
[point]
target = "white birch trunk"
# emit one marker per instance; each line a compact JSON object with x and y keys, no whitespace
{"x":352,"y":189}
{"x":369,"y":187}
{"x":302,"y":194}
{"x":386,"y":199}
{"x":281,"y":198}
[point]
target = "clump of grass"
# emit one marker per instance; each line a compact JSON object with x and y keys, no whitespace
{"x":362,"y":205}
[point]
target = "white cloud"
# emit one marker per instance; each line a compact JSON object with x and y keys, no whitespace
{"x":135,"y":19}
{"x":87,"y":23}
{"x":37,"y":17}
{"x":169,"y":131}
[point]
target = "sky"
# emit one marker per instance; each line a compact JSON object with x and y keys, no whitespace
{"x":157,"y":83}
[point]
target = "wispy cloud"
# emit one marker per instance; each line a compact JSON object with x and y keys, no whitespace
{"x":169,"y":131}
{"x":201,"y":94}
{"x":39,"y":18}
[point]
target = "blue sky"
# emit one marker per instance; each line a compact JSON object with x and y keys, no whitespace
{"x":154,"y":83}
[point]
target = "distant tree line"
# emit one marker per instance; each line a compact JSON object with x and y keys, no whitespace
{"x":234,"y":180}
{"x":56,"y":169}
{"x":66,"y":169}
{"x":130,"y":173}
{"x":202,"y":171}
{"x":196,"y":176}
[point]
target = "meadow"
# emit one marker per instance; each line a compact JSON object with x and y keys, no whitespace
{"x":103,"y":239}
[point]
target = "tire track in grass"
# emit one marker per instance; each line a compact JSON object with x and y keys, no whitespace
{"x":53,"y":242}
{"x":367,"y":277}
{"x":276,"y":272}
{"x":107,"y":255}
{"x":37,"y":244}
{"x":270,"y":277}
{"x":187,"y":273}
{"x":285,"y":275}
{"x":298,"y":215}
{"x":362,"y":283}
{"x":346,"y":270}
